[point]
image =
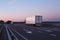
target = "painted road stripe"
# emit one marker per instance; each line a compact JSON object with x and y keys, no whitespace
{"x":48,"y":30}
{"x":52,"y":34}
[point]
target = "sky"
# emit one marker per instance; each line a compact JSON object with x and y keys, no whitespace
{"x":18,"y":10}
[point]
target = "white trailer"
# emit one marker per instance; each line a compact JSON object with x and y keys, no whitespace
{"x":37,"y":20}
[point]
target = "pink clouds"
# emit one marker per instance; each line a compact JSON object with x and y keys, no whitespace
{"x":12,"y":18}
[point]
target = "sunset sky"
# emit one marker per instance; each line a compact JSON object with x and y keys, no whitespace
{"x":17,"y":10}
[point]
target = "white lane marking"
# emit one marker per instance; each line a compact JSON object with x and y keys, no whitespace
{"x":20,"y":35}
{"x":40,"y":31}
{"x":52,"y":34}
{"x":48,"y":30}
{"x":56,"y":29}
{"x":9,"y":37}
{"x":28,"y":31}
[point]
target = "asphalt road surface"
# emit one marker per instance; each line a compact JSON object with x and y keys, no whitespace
{"x":23,"y":32}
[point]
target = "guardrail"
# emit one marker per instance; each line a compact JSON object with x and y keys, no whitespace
{"x":24,"y":38}
{"x":1,"y":29}
{"x":1,"y":32}
{"x":10,"y":34}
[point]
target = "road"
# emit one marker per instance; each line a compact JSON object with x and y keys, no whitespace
{"x":23,"y":32}
{"x":3,"y":34}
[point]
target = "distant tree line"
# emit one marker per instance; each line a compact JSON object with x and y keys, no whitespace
{"x":1,"y":22}
{"x":7,"y":22}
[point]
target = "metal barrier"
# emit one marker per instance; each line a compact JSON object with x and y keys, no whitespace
{"x":1,"y":29}
{"x":1,"y":32}
{"x":10,"y":34}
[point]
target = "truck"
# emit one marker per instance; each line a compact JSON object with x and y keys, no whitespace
{"x":34,"y":20}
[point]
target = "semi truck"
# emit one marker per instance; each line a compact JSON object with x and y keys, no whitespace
{"x":34,"y":20}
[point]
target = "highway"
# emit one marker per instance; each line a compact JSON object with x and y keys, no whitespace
{"x":23,"y":32}
{"x":3,"y":34}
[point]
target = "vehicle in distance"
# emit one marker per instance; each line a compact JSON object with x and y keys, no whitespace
{"x":37,"y":20}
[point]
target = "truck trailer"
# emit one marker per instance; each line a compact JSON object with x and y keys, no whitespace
{"x":34,"y":20}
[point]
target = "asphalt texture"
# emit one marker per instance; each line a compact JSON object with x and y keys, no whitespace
{"x":23,"y":32}
{"x":37,"y":33}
